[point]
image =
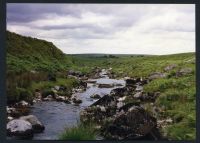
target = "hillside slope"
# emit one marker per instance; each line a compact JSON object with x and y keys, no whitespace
{"x":26,"y":53}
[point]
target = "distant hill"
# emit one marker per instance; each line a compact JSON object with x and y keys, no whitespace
{"x":27,"y":53}
{"x":97,"y":55}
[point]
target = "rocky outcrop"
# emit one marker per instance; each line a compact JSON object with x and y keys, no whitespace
{"x":20,"y":128}
{"x":170,"y":67}
{"x":134,"y":124}
{"x":119,"y":92}
{"x":183,"y":72}
{"x":36,"y":124}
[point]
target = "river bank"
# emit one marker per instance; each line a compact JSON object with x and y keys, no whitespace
{"x":114,"y":105}
{"x":49,"y":110}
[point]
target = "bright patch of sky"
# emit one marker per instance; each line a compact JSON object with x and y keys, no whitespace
{"x":108,"y":28}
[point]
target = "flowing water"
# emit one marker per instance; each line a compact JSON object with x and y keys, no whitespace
{"x":56,"y":116}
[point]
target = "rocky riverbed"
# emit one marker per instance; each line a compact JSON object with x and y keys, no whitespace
{"x":116,"y":106}
{"x":55,"y":113}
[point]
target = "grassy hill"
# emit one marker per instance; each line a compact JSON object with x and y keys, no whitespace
{"x":177,"y":99}
{"x":26,"y":53}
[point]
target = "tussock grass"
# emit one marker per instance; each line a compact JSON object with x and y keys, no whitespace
{"x":79,"y":132}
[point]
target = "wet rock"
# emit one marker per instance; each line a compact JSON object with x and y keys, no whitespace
{"x":106,"y":100}
{"x":83,"y":78}
{"x":95,"y":96}
{"x":91,"y":81}
{"x":71,"y":76}
{"x":126,"y":107}
{"x":48,"y":98}
{"x":136,"y":123}
{"x":96,"y":113}
{"x":102,"y":108}
{"x":149,"y":97}
{"x":139,"y":88}
{"x":19,"y":128}
{"x":75,"y":73}
{"x":106,"y":85}
{"x":83,"y":84}
{"x":38,"y":95}
{"x":144,"y":81}
{"x":22,"y":104}
{"x":130,"y":82}
{"x":9,"y":118}
{"x":164,"y":122}
{"x":137,"y":95}
{"x":120,"y":92}
{"x":170,"y":67}
{"x":122,"y":98}
{"x":118,"y":84}
{"x":57,"y":87}
{"x":36,"y":124}
{"x":157,"y":75}
{"x":120,"y":104}
{"x":183,"y":72}
{"x":76,"y":100}
{"x":61,"y":99}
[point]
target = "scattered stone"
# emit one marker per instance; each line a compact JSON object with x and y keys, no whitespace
{"x":22,"y":104}
{"x":61,"y":99}
{"x":105,"y":85}
{"x":36,"y":124}
{"x":130,"y":82}
{"x":48,"y":98}
{"x":120,"y":104}
{"x":137,"y":95}
{"x":76,"y":100}
{"x":170,"y":67}
{"x":157,"y":75}
{"x":120,"y":92}
{"x":136,"y":123}
{"x":139,"y":88}
{"x":149,"y":97}
{"x":75,"y":73}
{"x":118,"y":84}
{"x":9,"y":118}
{"x":91,"y":81}
{"x":95,"y":96}
{"x":57,"y":87}
{"x":83,"y":84}
{"x":122,"y":98}
{"x":38,"y":95}
{"x":83,"y":78}
{"x":102,"y":108}
{"x":19,"y":128}
{"x":183,"y":72}
{"x":104,"y":101}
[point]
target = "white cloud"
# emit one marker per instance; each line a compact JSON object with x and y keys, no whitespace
{"x":107,"y":28}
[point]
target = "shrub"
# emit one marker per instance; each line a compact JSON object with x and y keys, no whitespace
{"x":47,"y":92}
{"x":18,"y":94}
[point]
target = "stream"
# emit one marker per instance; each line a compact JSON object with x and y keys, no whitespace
{"x":57,"y":116}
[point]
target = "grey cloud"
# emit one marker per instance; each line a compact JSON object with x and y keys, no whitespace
{"x":29,"y":12}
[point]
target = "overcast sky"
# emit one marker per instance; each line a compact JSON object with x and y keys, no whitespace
{"x":108,"y":28}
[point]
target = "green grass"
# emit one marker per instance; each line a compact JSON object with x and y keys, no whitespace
{"x":177,"y":98}
{"x":79,"y":132}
